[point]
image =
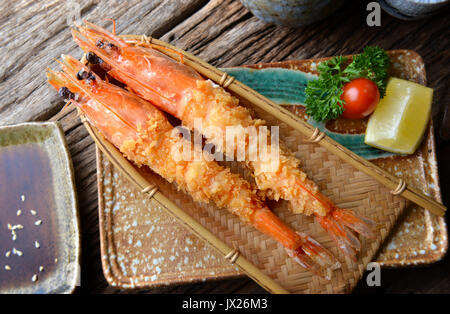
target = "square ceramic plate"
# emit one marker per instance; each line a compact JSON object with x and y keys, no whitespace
{"x":141,"y":247}
{"x":420,"y":237}
{"x":39,"y":225}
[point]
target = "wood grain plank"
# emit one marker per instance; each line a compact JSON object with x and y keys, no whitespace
{"x":34,"y":33}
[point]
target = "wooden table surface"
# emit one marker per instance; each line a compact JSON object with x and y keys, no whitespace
{"x":224,"y":33}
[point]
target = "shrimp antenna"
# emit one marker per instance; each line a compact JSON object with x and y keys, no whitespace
{"x":114,"y":25}
{"x":92,"y":28}
{"x":180,"y":55}
{"x":67,"y":104}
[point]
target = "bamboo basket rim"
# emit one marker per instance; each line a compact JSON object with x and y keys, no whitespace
{"x":396,"y":185}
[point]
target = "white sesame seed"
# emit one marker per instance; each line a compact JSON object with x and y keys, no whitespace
{"x":41,"y":268}
{"x":14,"y":235}
{"x":17,"y":252}
{"x":38,"y":222}
{"x":34,"y":278}
{"x":22,"y":197}
{"x":36,"y":244}
{"x":8,"y":254}
{"x":56,"y":260}
{"x":19,"y":212}
{"x":7,"y":267}
{"x":33,"y":212}
{"x":10,"y":227}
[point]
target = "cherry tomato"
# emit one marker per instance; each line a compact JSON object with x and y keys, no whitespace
{"x":361,"y":97}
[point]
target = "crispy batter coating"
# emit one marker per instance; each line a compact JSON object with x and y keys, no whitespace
{"x":284,"y":179}
{"x":157,"y":147}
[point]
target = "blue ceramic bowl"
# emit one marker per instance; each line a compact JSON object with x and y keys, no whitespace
{"x":295,"y":13}
{"x":412,"y":9}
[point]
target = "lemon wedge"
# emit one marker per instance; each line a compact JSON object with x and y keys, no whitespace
{"x":400,"y":118}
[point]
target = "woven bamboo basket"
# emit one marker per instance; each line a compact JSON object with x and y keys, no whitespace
{"x":350,"y":181}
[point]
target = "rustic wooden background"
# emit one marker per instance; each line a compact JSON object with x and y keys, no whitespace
{"x":224,"y":33}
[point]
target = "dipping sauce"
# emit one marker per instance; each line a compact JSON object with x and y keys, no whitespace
{"x":28,"y":252}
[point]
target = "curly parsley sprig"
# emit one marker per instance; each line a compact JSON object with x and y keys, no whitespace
{"x":323,"y":96}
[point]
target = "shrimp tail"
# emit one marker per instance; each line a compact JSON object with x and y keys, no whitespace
{"x":314,"y":257}
{"x":338,"y":222}
{"x":358,"y":223}
{"x":307,"y":252}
